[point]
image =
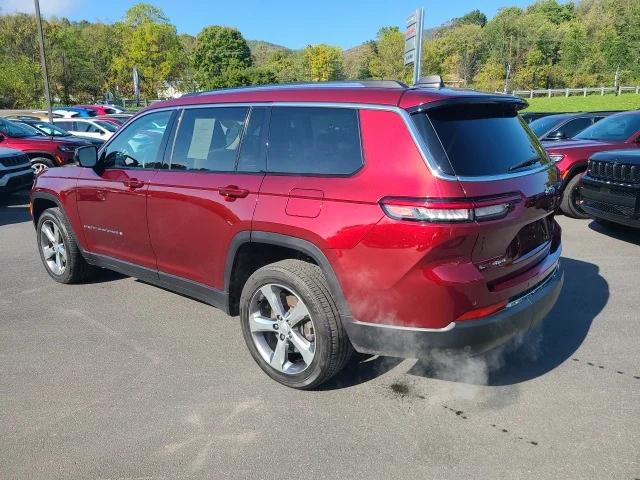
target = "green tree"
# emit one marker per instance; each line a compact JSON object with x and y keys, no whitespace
{"x":474,"y":17}
{"x":144,"y":12}
{"x":323,"y":63}
{"x":388,"y":61}
{"x":218,"y":53}
{"x":153,"y":48}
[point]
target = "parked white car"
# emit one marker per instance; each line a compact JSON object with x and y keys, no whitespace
{"x":87,"y":127}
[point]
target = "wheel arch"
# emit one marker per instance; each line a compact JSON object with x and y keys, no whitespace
{"x":295,"y":245}
{"x":573,"y":171}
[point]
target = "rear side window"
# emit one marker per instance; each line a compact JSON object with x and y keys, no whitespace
{"x":471,"y":140}
{"x":314,"y":141}
{"x":208,"y":139}
{"x":65,"y":125}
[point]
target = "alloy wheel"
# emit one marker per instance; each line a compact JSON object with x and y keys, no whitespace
{"x":282,"y":329}
{"x":53,"y":248}
{"x":38,"y":168}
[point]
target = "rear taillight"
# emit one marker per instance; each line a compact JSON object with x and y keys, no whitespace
{"x":440,"y":211}
{"x":483,"y":311}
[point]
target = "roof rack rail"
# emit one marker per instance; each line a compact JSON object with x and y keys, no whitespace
{"x":430,"y":81}
{"x":332,"y":83}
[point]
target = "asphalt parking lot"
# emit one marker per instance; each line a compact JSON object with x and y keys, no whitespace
{"x":118,"y":379}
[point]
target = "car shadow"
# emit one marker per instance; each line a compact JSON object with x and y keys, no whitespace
{"x":14,"y":208}
{"x":619,"y":232}
{"x":360,"y":369}
{"x":585,"y":293}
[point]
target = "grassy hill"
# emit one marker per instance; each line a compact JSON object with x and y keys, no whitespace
{"x":590,"y":103}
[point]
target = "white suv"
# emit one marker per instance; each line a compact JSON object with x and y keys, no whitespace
{"x":87,"y":127}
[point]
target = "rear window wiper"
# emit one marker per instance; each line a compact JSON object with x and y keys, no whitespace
{"x":526,"y":163}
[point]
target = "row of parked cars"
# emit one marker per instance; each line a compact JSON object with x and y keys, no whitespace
{"x":599,"y":160}
{"x":30,"y":144}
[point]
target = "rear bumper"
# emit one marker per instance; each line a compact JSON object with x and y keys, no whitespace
{"x":474,"y":336}
{"x":16,"y":180}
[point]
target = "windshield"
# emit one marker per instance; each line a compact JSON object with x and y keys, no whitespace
{"x":544,"y":124}
{"x":51,"y":129}
{"x":107,"y":125}
{"x":616,"y":128}
{"x":480,"y":139}
{"x":15,"y":130}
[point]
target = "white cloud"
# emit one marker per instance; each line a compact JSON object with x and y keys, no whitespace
{"x":59,"y":8}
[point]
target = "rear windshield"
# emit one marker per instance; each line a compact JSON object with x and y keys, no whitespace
{"x":470,"y":140}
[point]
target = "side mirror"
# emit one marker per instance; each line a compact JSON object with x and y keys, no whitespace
{"x":557,"y":135}
{"x":1,"y":137}
{"x":86,"y":156}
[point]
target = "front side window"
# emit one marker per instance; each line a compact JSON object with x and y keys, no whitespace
{"x":314,"y":140}
{"x":572,"y":128}
{"x":472,"y":140}
{"x":107,"y":126}
{"x":208,"y":139}
{"x":138,"y":145}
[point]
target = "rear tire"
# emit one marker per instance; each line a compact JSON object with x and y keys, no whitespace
{"x":330,"y":345}
{"x":571,"y":204}
{"x":59,"y":250}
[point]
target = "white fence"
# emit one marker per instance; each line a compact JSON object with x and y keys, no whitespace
{"x":574,"y":91}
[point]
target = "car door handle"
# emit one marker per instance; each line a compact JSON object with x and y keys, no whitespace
{"x":231,"y":192}
{"x":133,"y":183}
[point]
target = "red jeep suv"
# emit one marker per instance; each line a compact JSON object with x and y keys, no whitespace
{"x":331,"y":217}
{"x":43,"y":151}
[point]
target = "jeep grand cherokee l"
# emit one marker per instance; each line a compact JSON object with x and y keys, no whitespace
{"x":331,"y":217}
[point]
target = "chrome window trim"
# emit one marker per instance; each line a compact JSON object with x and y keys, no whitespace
{"x":404,"y":114}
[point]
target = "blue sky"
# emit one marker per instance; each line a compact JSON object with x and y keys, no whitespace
{"x":293,"y":24}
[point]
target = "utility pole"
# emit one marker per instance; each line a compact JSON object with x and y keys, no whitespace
{"x":508,"y":74}
{"x":616,"y":80}
{"x":43,"y":60}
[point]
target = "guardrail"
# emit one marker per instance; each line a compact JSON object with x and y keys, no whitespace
{"x":131,"y":103}
{"x":574,"y":91}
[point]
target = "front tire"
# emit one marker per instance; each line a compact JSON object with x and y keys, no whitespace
{"x":291,"y":325}
{"x":571,"y":204}
{"x":59,"y":250}
{"x":40,"y":164}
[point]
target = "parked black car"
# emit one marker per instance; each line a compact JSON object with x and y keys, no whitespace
{"x":611,"y":187}
{"x":15,"y":171}
{"x":564,"y":125}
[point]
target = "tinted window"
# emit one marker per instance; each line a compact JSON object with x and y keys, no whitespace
{"x":65,"y":125}
{"x":544,"y":124}
{"x":572,"y":128}
{"x":208,"y":139}
{"x":616,"y":128}
{"x":107,"y":126}
{"x":314,"y":140}
{"x":254,"y":143}
{"x":479,"y":139}
{"x":138,"y":145}
{"x":11,"y":129}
